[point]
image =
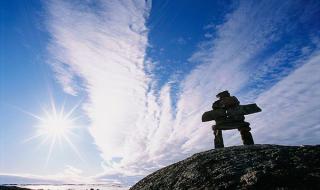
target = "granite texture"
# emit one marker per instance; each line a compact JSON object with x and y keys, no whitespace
{"x":241,"y":167}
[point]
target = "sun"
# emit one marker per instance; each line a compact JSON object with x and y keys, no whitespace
{"x":56,"y":126}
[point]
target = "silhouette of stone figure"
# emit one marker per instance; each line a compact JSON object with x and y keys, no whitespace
{"x":229,"y":114}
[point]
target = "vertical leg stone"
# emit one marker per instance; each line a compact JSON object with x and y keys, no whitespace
{"x":246,"y":136}
{"x":218,"y":139}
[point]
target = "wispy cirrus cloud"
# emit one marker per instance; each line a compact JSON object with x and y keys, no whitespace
{"x":104,"y":48}
{"x":291,"y":108}
{"x":102,"y":51}
{"x":248,"y":48}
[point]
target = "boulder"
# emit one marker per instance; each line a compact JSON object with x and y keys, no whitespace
{"x":241,"y":167}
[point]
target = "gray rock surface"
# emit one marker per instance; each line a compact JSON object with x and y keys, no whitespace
{"x":241,"y":167}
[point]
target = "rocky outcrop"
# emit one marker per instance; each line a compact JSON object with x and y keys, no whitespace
{"x":241,"y":167}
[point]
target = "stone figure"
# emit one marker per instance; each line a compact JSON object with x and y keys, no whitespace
{"x":229,"y":114}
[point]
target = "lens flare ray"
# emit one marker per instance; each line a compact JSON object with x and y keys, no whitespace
{"x":55,"y":126}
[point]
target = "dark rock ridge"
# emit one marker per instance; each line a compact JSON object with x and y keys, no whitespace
{"x":241,"y":167}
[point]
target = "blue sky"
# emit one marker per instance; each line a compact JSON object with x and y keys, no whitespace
{"x":141,"y":73}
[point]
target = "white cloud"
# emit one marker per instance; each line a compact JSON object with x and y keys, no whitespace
{"x":223,"y":61}
{"x":226,"y":63}
{"x":291,"y":108}
{"x":106,"y":50}
{"x":134,"y":128}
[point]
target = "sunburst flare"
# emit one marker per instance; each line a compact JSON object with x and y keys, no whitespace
{"x":56,"y":126}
